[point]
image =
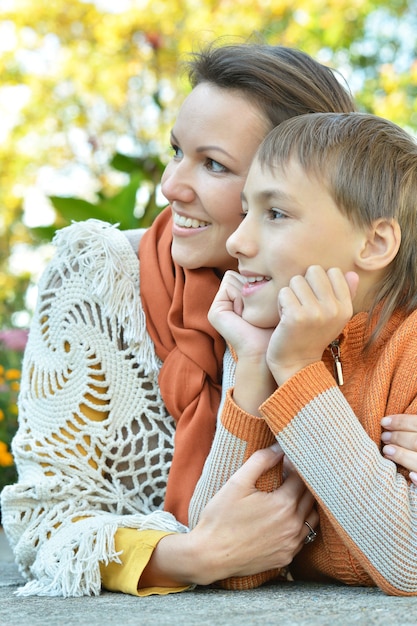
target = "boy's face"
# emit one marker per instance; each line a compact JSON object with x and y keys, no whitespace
{"x":291,"y":222}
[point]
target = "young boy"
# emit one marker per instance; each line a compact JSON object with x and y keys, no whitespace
{"x":321,"y":321}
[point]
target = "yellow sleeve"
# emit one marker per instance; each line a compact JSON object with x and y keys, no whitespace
{"x":136,"y":547}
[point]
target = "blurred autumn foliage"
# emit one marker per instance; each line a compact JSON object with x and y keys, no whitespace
{"x":89,"y":90}
{"x":12,"y":344}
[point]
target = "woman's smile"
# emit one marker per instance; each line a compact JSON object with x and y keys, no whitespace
{"x":188,"y":223}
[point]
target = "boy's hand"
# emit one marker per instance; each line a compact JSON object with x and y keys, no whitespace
{"x":313,"y":311}
{"x":225,"y":315}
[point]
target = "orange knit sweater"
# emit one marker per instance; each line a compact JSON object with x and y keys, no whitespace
{"x":368,"y":510}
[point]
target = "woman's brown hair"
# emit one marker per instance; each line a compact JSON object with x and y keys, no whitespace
{"x":282,"y":82}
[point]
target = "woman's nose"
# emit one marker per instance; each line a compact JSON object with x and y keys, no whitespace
{"x":176,"y":183}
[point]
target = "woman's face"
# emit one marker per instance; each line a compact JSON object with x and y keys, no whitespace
{"x":214,"y":138}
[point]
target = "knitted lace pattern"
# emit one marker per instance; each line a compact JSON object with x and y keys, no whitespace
{"x":94,"y":444}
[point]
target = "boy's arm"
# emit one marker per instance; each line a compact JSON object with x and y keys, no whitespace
{"x":368,"y":502}
{"x":253,"y":381}
{"x":238,"y":436}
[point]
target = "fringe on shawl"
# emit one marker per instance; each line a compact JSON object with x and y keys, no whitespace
{"x":111,"y":267}
{"x":71,"y":568}
{"x":68,"y":563}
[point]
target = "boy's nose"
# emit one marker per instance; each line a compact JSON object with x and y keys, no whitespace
{"x":243,"y":241}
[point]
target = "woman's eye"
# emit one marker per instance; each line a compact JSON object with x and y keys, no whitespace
{"x":215,"y":166}
{"x":177,"y":152}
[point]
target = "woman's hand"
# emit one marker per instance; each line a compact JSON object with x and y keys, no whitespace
{"x":241,"y":531}
{"x":400,"y":439}
{"x":250,"y":531}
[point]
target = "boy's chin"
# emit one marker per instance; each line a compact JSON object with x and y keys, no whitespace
{"x":258,"y":321}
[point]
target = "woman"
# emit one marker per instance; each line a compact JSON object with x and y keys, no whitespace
{"x":103,"y":392}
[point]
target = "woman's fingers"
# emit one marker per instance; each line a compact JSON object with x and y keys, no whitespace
{"x":400,"y":439}
{"x":307,"y":516}
{"x":250,"y":531}
{"x":401,"y":456}
{"x":257,"y":464}
{"x":404,"y":422}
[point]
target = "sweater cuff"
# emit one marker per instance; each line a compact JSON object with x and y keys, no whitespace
{"x":298,"y":391}
{"x":136,"y":548}
{"x":244,"y":426}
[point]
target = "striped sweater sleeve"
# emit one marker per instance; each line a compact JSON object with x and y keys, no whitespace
{"x":367,"y":500}
{"x":238,"y":436}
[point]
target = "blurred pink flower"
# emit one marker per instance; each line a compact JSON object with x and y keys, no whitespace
{"x":14,"y":339}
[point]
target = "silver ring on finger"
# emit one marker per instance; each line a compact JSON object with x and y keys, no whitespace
{"x":311,"y":533}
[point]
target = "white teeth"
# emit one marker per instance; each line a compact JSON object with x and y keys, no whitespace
{"x":188,"y":222}
{"x":256,"y":279}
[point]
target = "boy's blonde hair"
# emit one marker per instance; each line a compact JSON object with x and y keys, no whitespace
{"x":369,"y":167}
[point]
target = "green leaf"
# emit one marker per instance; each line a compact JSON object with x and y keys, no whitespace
{"x":44,"y":233}
{"x":115,"y":209}
{"x":74,"y":208}
{"x":120,"y":207}
{"x":125,"y":163}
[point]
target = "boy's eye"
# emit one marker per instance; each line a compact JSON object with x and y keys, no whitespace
{"x":215,"y":166}
{"x":276,"y":214}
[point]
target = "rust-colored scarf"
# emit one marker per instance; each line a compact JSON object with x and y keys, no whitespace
{"x":176,"y":302}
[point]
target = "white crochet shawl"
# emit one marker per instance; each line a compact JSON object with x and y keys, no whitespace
{"x":88,"y":347}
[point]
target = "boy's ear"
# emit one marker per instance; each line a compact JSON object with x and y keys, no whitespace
{"x":380,"y":245}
